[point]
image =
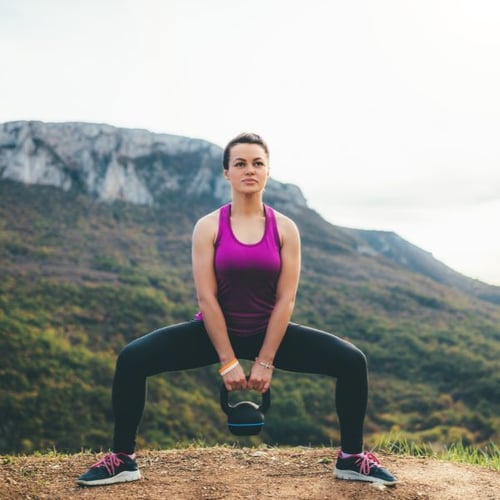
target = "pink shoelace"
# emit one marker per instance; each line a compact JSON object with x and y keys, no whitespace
{"x":110,"y":461}
{"x":366,"y":461}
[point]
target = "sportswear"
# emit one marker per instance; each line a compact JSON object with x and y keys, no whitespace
{"x":187,"y":345}
{"x":112,"y":468}
{"x":363,"y":467}
{"x":247,"y":275}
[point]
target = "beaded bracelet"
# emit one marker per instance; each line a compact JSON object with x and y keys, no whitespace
{"x":269,"y":366}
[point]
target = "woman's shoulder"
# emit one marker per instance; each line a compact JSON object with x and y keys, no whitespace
{"x":207,"y":225}
{"x":286,"y":225}
{"x":208,"y":219}
{"x":283,"y":219}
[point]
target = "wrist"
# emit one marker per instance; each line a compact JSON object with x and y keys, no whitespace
{"x":231,"y":365}
{"x":265,"y":358}
{"x":226,"y":358}
{"x":266,"y":364}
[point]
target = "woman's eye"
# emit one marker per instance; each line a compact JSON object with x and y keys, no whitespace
{"x":240,"y":164}
{"x":259,"y":163}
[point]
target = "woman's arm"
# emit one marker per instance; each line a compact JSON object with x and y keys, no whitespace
{"x":288,"y":281}
{"x":203,"y":251}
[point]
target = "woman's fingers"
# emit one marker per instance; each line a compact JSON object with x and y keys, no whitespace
{"x":260,"y":379}
{"x":235,"y":379}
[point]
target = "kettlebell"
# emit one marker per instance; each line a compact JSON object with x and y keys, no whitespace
{"x":244,"y":418}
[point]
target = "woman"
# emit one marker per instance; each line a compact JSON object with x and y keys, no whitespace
{"x":246,"y":266}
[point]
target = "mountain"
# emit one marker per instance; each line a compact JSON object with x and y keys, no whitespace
{"x":142,"y":168}
{"x":413,"y":258}
{"x":95,"y":228}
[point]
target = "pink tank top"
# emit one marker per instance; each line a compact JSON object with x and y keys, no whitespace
{"x":247,"y":275}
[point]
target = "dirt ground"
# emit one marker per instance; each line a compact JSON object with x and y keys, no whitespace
{"x":244,"y":473}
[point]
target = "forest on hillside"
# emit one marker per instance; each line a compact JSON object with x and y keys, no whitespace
{"x":79,"y":279}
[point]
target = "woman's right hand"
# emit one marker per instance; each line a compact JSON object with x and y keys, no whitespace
{"x":235,"y":379}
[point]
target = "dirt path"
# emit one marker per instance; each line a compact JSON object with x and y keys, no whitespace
{"x":244,"y":473}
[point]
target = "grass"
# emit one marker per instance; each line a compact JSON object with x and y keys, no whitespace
{"x":485,"y":456}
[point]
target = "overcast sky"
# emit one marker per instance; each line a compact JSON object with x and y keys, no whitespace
{"x":386,"y":113}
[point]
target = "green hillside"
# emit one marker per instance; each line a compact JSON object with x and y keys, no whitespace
{"x":79,"y":279}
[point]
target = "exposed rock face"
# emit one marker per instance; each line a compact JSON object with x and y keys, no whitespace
{"x":141,"y":167}
{"x":112,"y":163}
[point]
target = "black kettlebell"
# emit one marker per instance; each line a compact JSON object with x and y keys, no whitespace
{"x":244,"y":418}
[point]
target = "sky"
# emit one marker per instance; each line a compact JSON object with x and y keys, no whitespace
{"x":385,"y":113}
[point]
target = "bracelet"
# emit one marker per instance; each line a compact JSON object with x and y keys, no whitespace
{"x":266,"y":365}
{"x":223,"y":370}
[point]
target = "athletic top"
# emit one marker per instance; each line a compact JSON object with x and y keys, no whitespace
{"x":247,"y":275}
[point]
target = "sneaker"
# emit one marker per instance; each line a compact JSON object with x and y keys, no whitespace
{"x":112,"y":468}
{"x":363,"y":467}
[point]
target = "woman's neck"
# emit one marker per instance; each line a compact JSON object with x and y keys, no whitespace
{"x":248,"y":205}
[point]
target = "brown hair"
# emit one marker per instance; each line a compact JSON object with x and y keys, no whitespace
{"x":244,"y":138}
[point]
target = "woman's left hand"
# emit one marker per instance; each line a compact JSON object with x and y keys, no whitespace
{"x":260,"y":378}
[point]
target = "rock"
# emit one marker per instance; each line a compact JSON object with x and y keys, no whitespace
{"x":111,"y":163}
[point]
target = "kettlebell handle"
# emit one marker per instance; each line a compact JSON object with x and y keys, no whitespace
{"x":226,"y":406}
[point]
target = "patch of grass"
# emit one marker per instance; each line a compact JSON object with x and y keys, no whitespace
{"x":488,"y":456}
{"x":485,"y":456}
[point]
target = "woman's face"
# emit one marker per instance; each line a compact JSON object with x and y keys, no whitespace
{"x":248,"y":168}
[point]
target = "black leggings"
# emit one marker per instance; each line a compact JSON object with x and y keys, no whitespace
{"x":187,"y":345}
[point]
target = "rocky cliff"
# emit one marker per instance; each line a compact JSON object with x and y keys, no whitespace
{"x":112,"y":163}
